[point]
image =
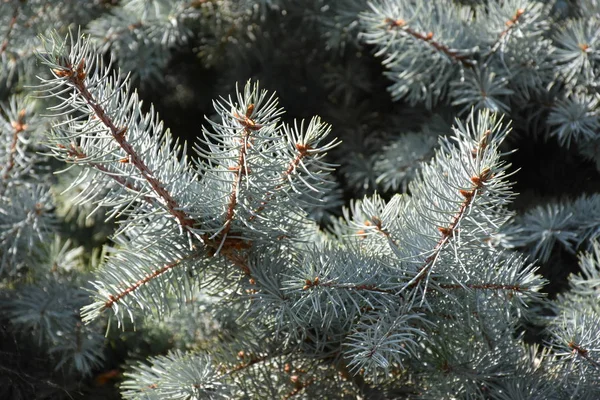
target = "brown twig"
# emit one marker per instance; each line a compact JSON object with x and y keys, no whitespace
{"x":11,"y":26}
{"x":510,"y":25}
{"x":76,"y":76}
{"x":448,"y":232}
{"x":248,"y":127}
{"x":18,"y":126}
{"x":112,"y":299}
{"x":428,"y":38}
{"x":76,"y":152}
{"x":302,"y":153}
{"x":583,"y":353}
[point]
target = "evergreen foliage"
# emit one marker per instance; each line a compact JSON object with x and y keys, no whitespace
{"x":382,"y":254}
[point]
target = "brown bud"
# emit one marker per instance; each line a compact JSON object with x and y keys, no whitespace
{"x":249,"y":110}
{"x":62,"y":73}
{"x":467,"y":194}
{"x":302,"y":148}
{"x":445,"y":231}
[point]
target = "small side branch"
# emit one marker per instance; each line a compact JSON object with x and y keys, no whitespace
{"x":240,"y":168}
{"x":18,"y":126}
{"x":448,"y":232}
{"x":428,"y":38}
{"x":11,"y":26}
{"x":510,"y":25}
{"x":583,"y":353}
{"x":380,"y":229}
{"x":346,"y":286}
{"x":112,"y":299}
{"x":484,"y":286}
{"x":76,"y":76}
{"x":302,"y":153}
{"x":77,"y":153}
{"x":247,"y":361}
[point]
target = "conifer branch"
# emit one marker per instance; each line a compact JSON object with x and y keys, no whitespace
{"x":299,"y":386}
{"x":428,"y":38}
{"x":583,"y":353}
{"x":112,"y":299}
{"x":76,"y":76}
{"x":511,"y":24}
{"x":449,"y":231}
{"x":77,"y":153}
{"x":302,"y":153}
{"x":346,"y":286}
{"x":241,"y":168}
{"x":248,"y":363}
{"x":484,"y":286}
{"x":11,"y":26}
{"x":18,"y":126}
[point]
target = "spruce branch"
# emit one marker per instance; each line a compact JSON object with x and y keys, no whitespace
{"x":429,"y":38}
{"x":255,"y":173}
{"x":152,"y":28}
{"x":73,"y":72}
{"x":577,"y":55}
{"x":24,"y":220}
{"x":400,"y":160}
{"x":511,"y":25}
{"x":478,"y":145}
{"x":511,"y":21}
{"x":572,"y":224}
{"x":573,"y":331}
{"x":481,"y":89}
{"x":261,"y":190}
{"x":423,"y":50}
{"x":575,"y":119}
{"x":156,"y":273}
{"x":175,"y":376}
{"x":19,"y":126}
{"x":9,"y":31}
